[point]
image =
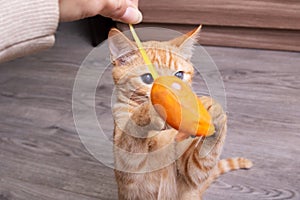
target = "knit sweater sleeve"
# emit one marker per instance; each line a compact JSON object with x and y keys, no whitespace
{"x":26,"y":26}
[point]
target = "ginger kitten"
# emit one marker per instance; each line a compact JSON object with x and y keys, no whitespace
{"x":147,"y":160}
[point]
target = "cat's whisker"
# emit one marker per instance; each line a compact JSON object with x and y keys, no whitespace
{"x":139,"y":99}
{"x":199,"y":139}
{"x":138,"y":93}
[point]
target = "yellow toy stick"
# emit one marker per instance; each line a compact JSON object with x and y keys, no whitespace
{"x":143,"y":53}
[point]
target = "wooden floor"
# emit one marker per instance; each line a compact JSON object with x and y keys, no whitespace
{"x":41,"y":156}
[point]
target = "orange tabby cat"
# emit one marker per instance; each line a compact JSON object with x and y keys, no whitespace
{"x":141,"y":172}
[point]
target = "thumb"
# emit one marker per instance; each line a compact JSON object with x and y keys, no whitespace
{"x":131,"y":16}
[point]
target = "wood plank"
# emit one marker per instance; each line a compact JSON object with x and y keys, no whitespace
{"x":273,"y":39}
{"x":251,"y":38}
{"x":42,"y":157}
{"x":261,"y":88}
{"x":254,"y":13}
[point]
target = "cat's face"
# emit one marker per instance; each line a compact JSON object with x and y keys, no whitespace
{"x":132,"y":76}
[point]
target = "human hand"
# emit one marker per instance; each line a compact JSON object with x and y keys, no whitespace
{"x":120,"y":10}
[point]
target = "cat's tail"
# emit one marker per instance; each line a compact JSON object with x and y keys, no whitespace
{"x":224,"y":166}
{"x":230,"y":164}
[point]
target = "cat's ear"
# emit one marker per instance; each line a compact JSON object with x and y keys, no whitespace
{"x":119,"y":44}
{"x":186,"y":42}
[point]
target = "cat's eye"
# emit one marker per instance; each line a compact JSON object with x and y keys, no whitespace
{"x":147,"y":78}
{"x":179,"y":74}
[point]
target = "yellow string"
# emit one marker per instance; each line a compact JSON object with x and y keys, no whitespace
{"x":143,"y":53}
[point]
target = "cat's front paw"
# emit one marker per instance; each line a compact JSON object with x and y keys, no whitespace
{"x":158,"y":122}
{"x":217,"y":113}
{"x":212,"y":145}
{"x":146,"y":116}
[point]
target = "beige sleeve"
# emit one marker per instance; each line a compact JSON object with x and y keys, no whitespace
{"x":26,"y":26}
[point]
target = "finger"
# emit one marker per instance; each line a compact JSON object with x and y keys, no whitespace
{"x":114,"y":8}
{"x":135,"y":2}
{"x":122,"y":10}
{"x":131,"y":16}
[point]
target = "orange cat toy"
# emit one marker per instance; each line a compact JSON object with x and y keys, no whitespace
{"x":176,"y":103}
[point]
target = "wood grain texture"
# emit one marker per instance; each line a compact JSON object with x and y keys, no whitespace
{"x":42,"y":158}
{"x":252,"y":13}
{"x":273,"y":39}
{"x":266,"y":24}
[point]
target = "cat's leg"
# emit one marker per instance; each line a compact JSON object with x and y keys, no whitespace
{"x":136,"y":127}
{"x":145,"y":150}
{"x":198,"y":161}
{"x":132,"y":143}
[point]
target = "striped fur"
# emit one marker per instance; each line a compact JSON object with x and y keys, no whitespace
{"x":149,"y":164}
{"x":224,"y":166}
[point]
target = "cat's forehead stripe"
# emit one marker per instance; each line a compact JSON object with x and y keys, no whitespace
{"x":165,"y":57}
